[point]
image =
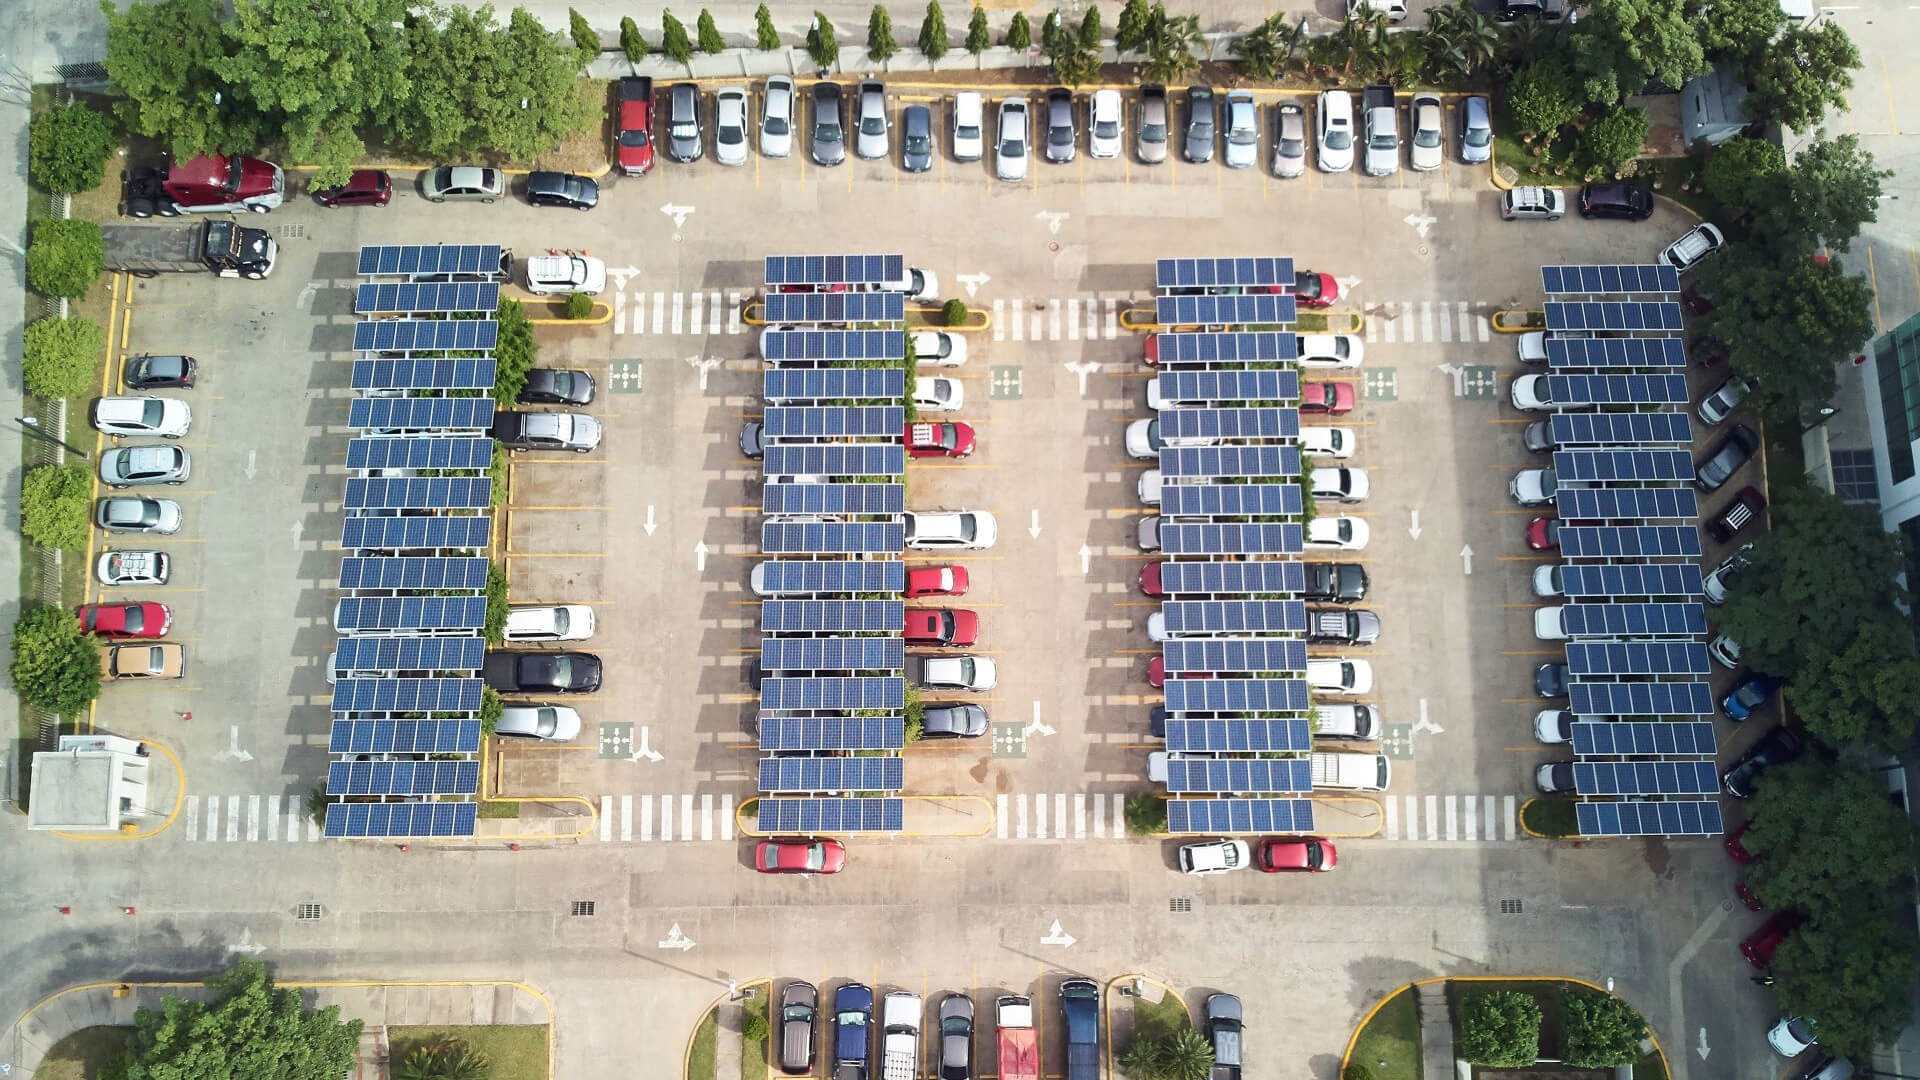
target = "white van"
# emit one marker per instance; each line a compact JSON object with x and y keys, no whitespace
{"x":1350,"y":771}
{"x":969,"y":122}
{"x":1346,"y":722}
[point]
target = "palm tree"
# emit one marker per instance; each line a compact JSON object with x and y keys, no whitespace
{"x":1446,"y":61}
{"x":1186,"y":1055}
{"x":1477,"y":36}
{"x":1170,"y":44}
{"x":1526,"y":40}
{"x":1258,"y":50}
{"x":1364,"y":36}
{"x":1403,"y":60}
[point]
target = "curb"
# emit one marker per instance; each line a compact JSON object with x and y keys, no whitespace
{"x":604,"y":317}
{"x":1108,"y":993}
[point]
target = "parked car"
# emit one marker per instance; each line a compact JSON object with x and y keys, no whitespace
{"x":1620,"y":200}
{"x":519,"y":431}
{"x":1335,"y":583}
{"x":931,"y":394}
{"x":1550,"y":680}
{"x":942,"y":627}
{"x":1531,"y":347}
{"x":130,"y":514}
{"x":1336,"y":131}
{"x":366,"y":187}
{"x":557,"y":386}
{"x":953,"y":722}
{"x":1759,"y":946}
{"x":1289,"y":140}
{"x":1777,"y":747}
{"x":1340,"y":533}
{"x":1715,"y":586}
{"x":1342,"y":483}
{"x":1296,"y":854}
{"x":548,"y":188}
{"x":1725,"y":651}
{"x":925,"y":581}
{"x":1062,"y":135}
{"x":166,"y":660}
{"x":1104,"y":124}
{"x":969,"y":126}
{"x":1156,"y":124}
{"x":950,"y":529}
{"x":1533,"y":487}
{"x":1243,"y":130}
{"x":1142,"y":440}
{"x":1538,"y":437}
{"x":1313,"y":289}
{"x":732,"y":116}
{"x":1147,"y":533}
{"x":1554,"y":778}
{"x":1328,"y":442}
{"x":132,"y":466}
{"x":1727,"y":456}
{"x":871,"y":125}
{"x":1791,"y":1036}
{"x":809,"y":855}
{"x":1197,"y":147}
{"x":1428,"y":145}
{"x":1827,"y":1067}
{"x":1337,"y":627}
{"x":1345,"y":677}
{"x":140,"y":620}
{"x":1717,"y":406}
{"x":1693,"y":247}
{"x":955,"y":1013}
{"x":916,"y":138}
{"x":776,"y":128}
{"x":1553,"y":727}
{"x":1327,"y":398}
{"x":150,"y":372}
{"x":684,"y":141}
{"x":971,"y":673}
{"x":799,"y":1011}
{"x":852,"y":1017}
{"x":1748,"y":693}
{"x":1476,"y":130}
{"x":133,"y":567}
{"x":545,"y":723}
{"x":118,"y":417}
{"x":564,"y":274}
{"x":1080,"y":1014}
{"x":1532,"y":204}
{"x":1743,"y":511}
{"x":1010,"y":142}
{"x":937,"y":348}
{"x":462,"y":183}
{"x":542,"y":672}
{"x":941,"y":439}
{"x":829,"y":136}
{"x":549,"y":622}
{"x":633,"y":126}
{"x":1543,"y":534}
{"x":1331,"y":350}
{"x":1214,"y":856}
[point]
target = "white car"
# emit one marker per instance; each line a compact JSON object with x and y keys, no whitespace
{"x":132,"y":465}
{"x":958,"y":673}
{"x":731,"y":119}
{"x":1714,"y":588}
{"x":1340,"y":482}
{"x":1010,"y":145}
{"x":935,"y":530}
{"x":1148,"y":487}
{"x":1104,"y":124}
{"x":937,"y":348}
{"x":133,"y":568}
{"x":776,"y":118}
{"x":550,"y":622}
{"x":1429,"y":133}
{"x":1214,"y":856}
{"x":1331,"y":350}
{"x":918,"y":283}
{"x":1791,"y":1036}
{"x":1548,"y":623}
{"x":1533,"y":487}
{"x":1340,"y":676}
{"x":1546,"y":581}
{"x":168,"y":418}
{"x":562,"y":275}
{"x":1717,"y":406}
{"x":969,"y":122}
{"x":1550,"y":726}
{"x":1336,"y":131}
{"x":1157,"y":627}
{"x":1328,"y":442}
{"x":1693,"y":247}
{"x":935,"y":394}
{"x":1725,"y":652}
{"x":1337,"y":533}
{"x":1148,"y":533}
{"x":1243,"y":130}
{"x":1143,"y":440}
{"x":1396,"y":10}
{"x":551,"y":723}
{"x":1532,"y":347}
{"x":1529,"y":393}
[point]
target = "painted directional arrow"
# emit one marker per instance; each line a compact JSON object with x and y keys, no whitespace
{"x":650,"y":524}
{"x":620,"y":274}
{"x":1033,"y":530}
{"x":972,"y":282}
{"x":246,"y":944}
{"x":1420,"y":223}
{"x":1086,"y":559}
{"x":1424,"y":724}
{"x":1703,"y":1049}
{"x":1053,"y":218}
{"x":700,"y":557}
{"x":1347,"y":285}
{"x":1413,"y":528}
{"x":1057,"y":935}
{"x":677,"y":940}
{"x":1038,"y":728}
{"x":1083,"y":368}
{"x":233,"y":751}
{"x":1466,"y":558}
{"x":250,"y":469}
{"x":679,"y":214}
{"x":703,"y":365}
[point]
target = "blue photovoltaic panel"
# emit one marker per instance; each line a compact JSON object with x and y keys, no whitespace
{"x":447,"y":373}
{"x":353,"y":654}
{"x":1632,"y":504}
{"x":412,"y":819}
{"x":833,"y":498}
{"x":826,"y":537}
{"x":1631,"y":579}
{"x":786,"y":733}
{"x":1577,"y":391}
{"x":421,"y":414}
{"x":1258,"y":423}
{"x":832,"y":616}
{"x":418,"y":493}
{"x":1574,"y":353}
{"x":836,"y":694}
{"x":833,"y":774}
{"x":810,"y":816}
{"x":413,"y":573}
{"x":1625,"y":738}
{"x":426,"y":335}
{"x":406,"y":695}
{"x":821,"y":576}
{"x":430,"y":298}
{"x":1231,"y":500}
{"x":847,"y":459}
{"x":1229,"y":578}
{"x":1198,"y":386}
{"x":389,"y":260}
{"x":1238,"y":735}
{"x":1622,"y":466}
{"x":403,"y":778}
{"x":1629,"y":541}
{"x":402,"y":452}
{"x":1229,"y":538}
{"x":1237,"y":775}
{"x":871,"y":270}
{"x":834,"y":307}
{"x":370,"y":613}
{"x":1262,"y":271}
{"x":1234,"y":616}
{"x":834,"y":421}
{"x":1225,"y":347}
{"x":1640,"y":278}
{"x":1654,"y":317}
{"x":1229,"y":462}
{"x":1236,"y":695}
{"x":832,"y":384}
{"x":399,"y":533}
{"x":1235,"y":654}
{"x":1256,"y":309}
{"x":404,"y":737}
{"x":1634,"y":620}
{"x":833,"y":654}
{"x":1186,"y":816}
{"x":1640,"y":698}
{"x":1637,"y":658}
{"x":1638,"y":818}
{"x":788,"y":346}
{"x":1620,"y":429}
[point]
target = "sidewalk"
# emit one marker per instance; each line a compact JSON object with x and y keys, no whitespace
{"x":1436,"y":1032}
{"x":731,"y":1043}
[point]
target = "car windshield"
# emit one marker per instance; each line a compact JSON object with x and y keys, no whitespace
{"x":919,"y":144}
{"x":443,"y":177}
{"x":1382,"y":141}
{"x":851,"y":1018}
{"x":775,"y":125}
{"x":873,"y":125}
{"x":1060,"y":135}
{"x":685,"y":129}
{"x":546,"y":722}
{"x":967,"y":131}
{"x":562,"y":669}
{"x":1338,"y":139}
{"x":1013,"y":146}
{"x":1479,"y":136}
{"x":955,"y":1025}
{"x":827,"y":130}
{"x":1151,"y":132}
{"x":1106,"y":129}
{"x":633,"y":137}
{"x":1751,"y":695}
{"x":796,"y":1012}
{"x":152,"y":412}
{"x":1428,"y":137}
{"x":1293,"y":148}
{"x":730,"y":135}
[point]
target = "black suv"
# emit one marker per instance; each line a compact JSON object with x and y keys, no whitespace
{"x":546,"y":188}
{"x":557,"y":386}
{"x":1621,"y":200}
{"x":150,"y":372}
{"x":1336,"y":583}
{"x":542,"y":672}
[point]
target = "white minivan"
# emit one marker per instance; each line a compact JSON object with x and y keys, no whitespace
{"x":969,"y":118}
{"x":1346,"y":722}
{"x":1350,"y":770}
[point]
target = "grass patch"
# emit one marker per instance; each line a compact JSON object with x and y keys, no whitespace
{"x":84,"y":1054}
{"x":516,"y":1051}
{"x":706,"y":1040}
{"x":1390,"y":1043}
{"x":1160,"y":1019}
{"x":1671,"y":172}
{"x":500,"y":808}
{"x":753,"y":1053}
{"x":1550,"y":817}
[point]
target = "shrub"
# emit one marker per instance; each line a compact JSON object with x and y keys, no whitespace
{"x":578,"y":306}
{"x":584,"y":38}
{"x":55,"y":667}
{"x":1500,"y":1028}
{"x":67,"y":149}
{"x":58,"y":356}
{"x":915,"y":712}
{"x":954,"y":312}
{"x":710,"y":39}
{"x":65,"y":257}
{"x":497,"y":472}
{"x":632,"y":41}
{"x":1614,"y":139}
{"x":496,"y":627}
{"x":54,"y":500}
{"x":1019,"y":33}
{"x":766,"y":37}
{"x":756,"y":1028}
{"x":1146,"y":813}
{"x":514,"y":353}
{"x":1542,"y":98}
{"x":1602,"y":1030}
{"x":491,"y":708}
{"x":1553,"y":817}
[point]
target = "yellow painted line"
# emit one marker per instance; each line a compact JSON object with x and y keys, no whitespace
{"x":1886,"y":83}
{"x":1873,"y":282}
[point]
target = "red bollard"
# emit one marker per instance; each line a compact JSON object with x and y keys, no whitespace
{"x":64,"y":910}
{"x":513,"y":847}
{"x":186,"y":716}
{"x":127,"y":910}
{"x":406,"y":848}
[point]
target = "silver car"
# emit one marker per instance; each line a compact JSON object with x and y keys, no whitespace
{"x":776,"y":118}
{"x":730,"y":123}
{"x":464,"y":183}
{"x":1289,"y":141}
{"x":1154,"y":125}
{"x":551,"y":723}
{"x":956,"y":1036}
{"x":1010,"y":150}
{"x":1243,"y":130}
{"x":1476,"y":130}
{"x":1429,"y":133}
{"x":137,"y":515}
{"x":870,"y":122}
{"x":133,"y":465}
{"x":1061,"y":133}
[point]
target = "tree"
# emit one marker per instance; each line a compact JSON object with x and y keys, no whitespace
{"x":491,"y":709}
{"x":584,"y":37}
{"x":822,"y":45}
{"x":1180,"y":1054}
{"x":1050,"y":32}
{"x":495,"y":630}
{"x":1800,"y":75}
{"x":632,"y":41}
{"x":1146,"y":813}
{"x":1090,"y":32}
{"x":68,"y":147}
{"x":1739,"y":28}
{"x":1259,"y":50}
{"x":1019,"y":33}
{"x":673,"y":39}
{"x":1614,"y":139}
{"x":514,"y":352}
{"x":766,"y":37}
{"x":470,"y":77}
{"x":934,"y":42}
{"x":250,"y":1030}
{"x":1744,"y":171}
{"x":1460,"y":40}
{"x":1541,"y":98}
{"x":1854,"y":974}
{"x":65,"y":257}
{"x":1501,"y":1028}
{"x":1624,"y":44}
{"x":54,"y":501}
{"x":58,"y":356}
{"x":979,"y":37}
{"x":160,"y":58}
{"x":1130,"y":35}
{"x":1831,"y":190}
{"x":1170,"y":45}
{"x":1073,"y":62}
{"x":1863,"y":689}
{"x":710,"y":40}
{"x":1602,"y":1031}
{"x":1823,"y":834}
{"x":880,"y":43}
{"x":1786,"y":321}
{"x":55,"y":667}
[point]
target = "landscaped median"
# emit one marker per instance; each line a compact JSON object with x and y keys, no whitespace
{"x":1564,"y":1029}
{"x":736,"y":1030}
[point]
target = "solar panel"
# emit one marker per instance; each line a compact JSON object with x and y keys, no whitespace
{"x":443,"y":373}
{"x":1224,"y":347}
{"x":1246,"y":273}
{"x":832,"y":384}
{"x":1625,"y":738}
{"x":1255,"y":423}
{"x":418,"y":493}
{"x":1629,"y":541}
{"x":1574,"y":353}
{"x":1622,"y":466}
{"x":1230,"y":462}
{"x":833,"y":774}
{"x":403,"y":778}
{"x":1242,"y":775}
{"x":1576,"y":391}
{"x":871,"y":270}
{"x":1236,"y":695}
{"x":1234,"y":616}
{"x":406,"y":695}
{"x":1614,"y":316}
{"x":1632,"y":579}
{"x":1601,"y":279}
{"x":1238,"y":735}
{"x":810,"y":816}
{"x":1633,"y":620}
{"x":432,"y":298}
{"x":833,"y":498}
{"x":833,"y":654}
{"x":1640,"y":698}
{"x":1637,"y":658}
{"x":405,"y":533}
{"x":370,"y":614}
{"x":828,"y":537}
{"x":1228,"y":578}
{"x":830,"y":459}
{"x":821,"y":576}
{"x":1620,"y":428}
{"x":788,"y":733}
{"x":411,"y":819}
{"x":352,"y":654}
{"x":789,"y":346}
{"x":387,"y":260}
{"x":413,"y":573}
{"x":1197,"y":385}
{"x":1187,"y":816}
{"x":834,"y":421}
{"x":1637,"y":818}
{"x":1230,"y":538}
{"x":834,"y":307}
{"x":836,"y":694}
{"x":421,"y":414}
{"x":426,"y":335}
{"x":1235,"y":654}
{"x":1629,"y":504}
{"x":832,"y":616}
{"x":1254,"y":309}
{"x":1231,"y":500}
{"x":404,"y":737}
{"x":400,"y":452}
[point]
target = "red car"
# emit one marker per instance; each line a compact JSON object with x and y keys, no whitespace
{"x":1543,"y":534}
{"x":1312,"y":289}
{"x":1735,"y":844}
{"x":942,"y":626}
{"x":1746,"y":897}
{"x":1759,"y":946}
{"x":633,"y":140}
{"x":147,"y":620}
{"x":1150,"y":580}
{"x":1157,"y":672}
{"x":944,"y":439}
{"x":937,"y":581}
{"x":1295,"y":854}
{"x":799,"y":856}
{"x":1326,"y":398}
{"x":1151,"y":350}
{"x":366,"y":187}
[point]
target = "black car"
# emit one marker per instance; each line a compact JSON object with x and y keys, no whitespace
{"x":683,"y":122}
{"x":1776,"y":747}
{"x":1157,"y":721}
{"x":1550,"y":680}
{"x":1538,"y":437}
{"x":916,"y":147}
{"x":829,"y":135}
{"x":150,"y":372}
{"x":547,"y":188}
{"x":1620,"y":200}
{"x":542,"y":672}
{"x":750,"y":441}
{"x":557,"y":386}
{"x":1199,"y":142}
{"x":1335,"y":583}
{"x":954,"y":722}
{"x":1728,"y":455}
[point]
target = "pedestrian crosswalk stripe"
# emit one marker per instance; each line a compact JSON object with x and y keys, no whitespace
{"x":726,"y":817}
{"x":706,"y":816}
{"x":1448,"y":818}
{"x":999,"y":320}
{"x":1073,"y":318}
{"x":606,"y":817}
{"x":626,"y":817}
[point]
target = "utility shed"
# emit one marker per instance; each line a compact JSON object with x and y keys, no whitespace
{"x":91,"y":784}
{"x":1713,"y":107}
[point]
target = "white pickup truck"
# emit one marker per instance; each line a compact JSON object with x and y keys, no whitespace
{"x":900,"y":1036}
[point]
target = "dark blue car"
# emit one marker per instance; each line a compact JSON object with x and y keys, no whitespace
{"x":1080,"y":1009}
{"x":852,"y":1019}
{"x":1752,"y":691}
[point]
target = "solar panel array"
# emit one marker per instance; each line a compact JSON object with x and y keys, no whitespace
{"x":832,"y":616}
{"x":421,"y":414}
{"x":1622,"y":466}
{"x":1635,"y":317}
{"x":410,"y":614}
{"x":834,"y":307}
{"x":1239,"y":385}
{"x":1629,"y":541}
{"x":1235,"y":654}
{"x":422,"y":452}
{"x":1238,"y":775}
{"x":364,"y":654}
{"x":1230,"y":462}
{"x":1246,"y":309}
{"x":1236,"y":695}
{"x":791,"y":346}
{"x":1605,"y":279}
{"x":436,"y":298}
{"x":833,"y":421}
{"x":1631,"y":579}
{"x":1234,"y":616}
{"x":1574,"y":353}
{"x":824,"y":576}
{"x":403,"y":778}
{"x":1634,"y":620}
{"x":832,"y":384}
{"x":810,"y":816}
{"x":1628,"y":738}
{"x":1236,"y":347}
{"x":837,"y":499}
{"x":1637,"y":658}
{"x":1620,"y":428}
{"x":1187,"y":816}
{"x":426,"y":335}
{"x":1640,"y":818}
{"x":834,"y":693}
{"x":408,"y":373}
{"x":789,"y":734}
{"x":1231,"y":578}
{"x":1580,"y":391}
{"x":406,"y":819}
{"x":413,"y":573}
{"x":1640,"y":698}
{"x":1645,"y":778}
{"x":1638,"y":504}
{"x":412,"y":533}
{"x":1238,"y":735}
{"x":832,"y":774}
{"x":832,"y":537}
{"x":1260,"y":272}
{"x":1230,"y":538}
{"x":871,"y":271}
{"x":418,"y":492}
{"x":833,"y":654}
{"x":835,"y":459}
{"x":1216,"y":424}
{"x":1231,"y":500}
{"x":481,"y":261}
{"x":357,"y":697}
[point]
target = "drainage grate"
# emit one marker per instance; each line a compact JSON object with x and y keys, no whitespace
{"x":1509,"y":907}
{"x":307,"y":911}
{"x":582,"y":907}
{"x":1180,"y":905}
{"x":293,"y":232}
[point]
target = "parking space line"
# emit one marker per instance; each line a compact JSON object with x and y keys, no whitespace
{"x":1016,"y":323}
{"x":1113,"y":318}
{"x":1507,"y":814}
{"x":253,"y":818}
{"x":1079,"y":815}
{"x":1467,"y":819}
{"x":734,"y":324}
{"x":193,"y":817}
{"x":1486,"y":818}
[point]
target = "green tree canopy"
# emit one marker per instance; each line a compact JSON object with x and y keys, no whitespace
{"x":1019,"y":33}
{"x":584,"y":37}
{"x":1130,"y":35}
{"x":1620,"y":45}
{"x":880,"y":42}
{"x":1169,"y":45}
{"x":1500,"y":1028}
{"x":1542,"y":98}
{"x":1050,"y":31}
{"x":934,"y":42}
{"x":1262,"y":49}
{"x":1854,"y":974}
{"x":1831,"y":189}
{"x":710,"y":40}
{"x":674,"y":40}
{"x":67,"y":148}
{"x":1090,"y":32}
{"x":1602,"y":1031}
{"x":766,"y":36}
{"x":65,"y":257}
{"x":632,"y":41}
{"x":1865,"y":688}
{"x":1738,"y":29}
{"x":55,"y":667}
{"x":1180,"y":1054}
{"x":514,"y":353}
{"x":54,"y":505}
{"x":58,"y":356}
{"x":1745,"y":171}
{"x":250,"y":1030}
{"x":1614,"y":139}
{"x":1823,"y":835}
{"x":979,"y":36}
{"x":161,"y":58}
{"x":823,"y":45}
{"x":1786,"y":319}
{"x":1797,"y":77}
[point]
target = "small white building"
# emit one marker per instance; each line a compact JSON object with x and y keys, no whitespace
{"x":91,"y":784}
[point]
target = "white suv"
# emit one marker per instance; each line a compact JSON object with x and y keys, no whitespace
{"x":1336,"y":131}
{"x":550,"y":275}
{"x":1340,"y":676}
{"x":1693,"y":247}
{"x":1010,"y":149}
{"x":550,"y":622}
{"x":950,"y":529}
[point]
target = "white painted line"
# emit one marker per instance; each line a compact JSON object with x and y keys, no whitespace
{"x":1113,"y":318}
{"x":1466,"y":816}
{"x":1406,"y":321}
{"x":1426,"y":321}
{"x":999,"y":320}
{"x":1391,"y":331}
{"x":666,"y":817}
{"x":1446,"y":323}
{"x":213,"y":817}
{"x":1053,"y":320}
{"x":646,"y":817}
{"x":686,"y":817}
{"x":1017,"y":323}
{"x":1033,"y":328}
{"x":1465,"y":320}
{"x":1453,"y":817}
{"x":1486,"y":817}
{"x":706,"y":816}
{"x":1433,"y":817}
{"x":734,"y":325}
{"x":1040,"y":816}
{"x":1020,"y":833}
{"x":695,"y":302}
{"x":313,"y":829}
{"x":713,"y":312}
{"x":273,"y":817}
{"x":1093,"y":319}
{"x":1099,"y":816}
{"x":1391,"y":830}
{"x":626,"y":817}
{"x":1079,"y":815}
{"x":1000,"y":803}
{"x":1073,"y":319}
{"x":659,"y":312}
{"x":619,"y":313}
{"x":253,"y":818}
{"x":606,"y":818}
{"x":293,"y":825}
{"x":193,"y":817}
{"x":1485,"y":324}
{"x":726,"y":817}
{"x":1370,"y":330}
{"x":1119,"y":815}
{"x":1060,"y":815}
{"x":1510,"y":815}
{"x":233,"y":818}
